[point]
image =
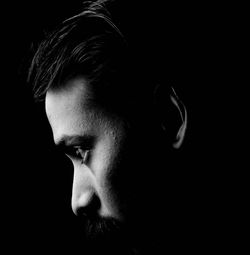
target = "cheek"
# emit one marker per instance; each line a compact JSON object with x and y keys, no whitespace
{"x":102,"y":163}
{"x":104,"y":170}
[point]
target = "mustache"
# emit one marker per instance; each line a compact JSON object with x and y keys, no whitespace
{"x":99,"y":227}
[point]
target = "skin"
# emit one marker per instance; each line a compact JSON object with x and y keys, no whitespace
{"x":120,"y":170}
{"x":73,"y":117}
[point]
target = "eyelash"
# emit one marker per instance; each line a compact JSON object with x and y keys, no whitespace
{"x":80,"y":154}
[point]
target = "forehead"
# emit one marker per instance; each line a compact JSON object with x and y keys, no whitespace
{"x":74,"y":90}
{"x":68,"y":107}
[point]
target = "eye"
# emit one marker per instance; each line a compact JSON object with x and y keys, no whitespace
{"x":82,"y":154}
{"x":78,"y":153}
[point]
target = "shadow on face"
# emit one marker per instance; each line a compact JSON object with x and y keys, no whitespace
{"x":123,"y":180}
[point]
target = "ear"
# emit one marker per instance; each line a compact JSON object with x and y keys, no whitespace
{"x":181,"y":110}
{"x":172,"y":114}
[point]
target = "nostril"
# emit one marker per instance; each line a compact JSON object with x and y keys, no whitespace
{"x":88,"y":208}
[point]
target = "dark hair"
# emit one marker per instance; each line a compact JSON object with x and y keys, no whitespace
{"x":118,"y":66}
{"x":85,"y":44}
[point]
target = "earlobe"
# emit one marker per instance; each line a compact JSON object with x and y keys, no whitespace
{"x":183,"y":117}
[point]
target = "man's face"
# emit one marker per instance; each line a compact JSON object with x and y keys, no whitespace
{"x":115,"y":163}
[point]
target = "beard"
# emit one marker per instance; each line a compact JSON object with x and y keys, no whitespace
{"x":106,"y":236}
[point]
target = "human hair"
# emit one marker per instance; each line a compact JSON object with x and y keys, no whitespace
{"x":118,"y":63}
{"x":85,"y":44}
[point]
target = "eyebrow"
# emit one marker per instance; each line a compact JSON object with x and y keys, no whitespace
{"x":73,"y":140}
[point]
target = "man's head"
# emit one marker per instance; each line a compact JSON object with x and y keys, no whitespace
{"x":101,"y":100}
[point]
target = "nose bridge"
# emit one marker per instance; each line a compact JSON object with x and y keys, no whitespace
{"x":84,"y":198}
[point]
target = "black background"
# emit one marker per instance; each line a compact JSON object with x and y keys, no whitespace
{"x":36,"y":179}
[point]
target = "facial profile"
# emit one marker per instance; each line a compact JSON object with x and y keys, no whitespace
{"x":96,"y":142}
{"x":106,"y":160}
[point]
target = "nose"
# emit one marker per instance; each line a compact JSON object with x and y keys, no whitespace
{"x":84,"y":200}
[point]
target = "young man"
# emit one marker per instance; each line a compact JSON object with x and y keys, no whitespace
{"x":111,"y":114}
